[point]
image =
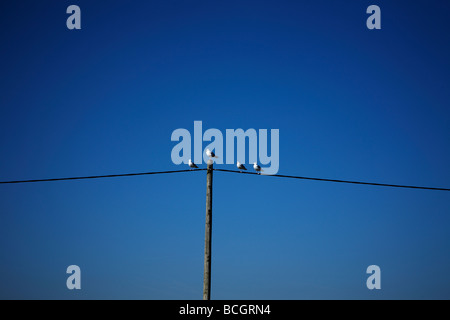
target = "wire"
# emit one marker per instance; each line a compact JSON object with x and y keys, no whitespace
{"x":99,"y":177}
{"x":230,"y":171}
{"x":339,"y":181}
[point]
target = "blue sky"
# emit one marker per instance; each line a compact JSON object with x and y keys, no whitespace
{"x":350,"y":103}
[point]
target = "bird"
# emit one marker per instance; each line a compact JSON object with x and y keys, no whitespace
{"x":211,"y":154}
{"x":257,"y":168}
{"x":192,"y":165}
{"x":241,"y":166}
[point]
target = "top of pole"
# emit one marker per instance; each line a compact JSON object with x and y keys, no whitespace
{"x":210,"y":164}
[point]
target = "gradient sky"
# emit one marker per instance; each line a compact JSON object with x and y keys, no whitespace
{"x":350,"y":103}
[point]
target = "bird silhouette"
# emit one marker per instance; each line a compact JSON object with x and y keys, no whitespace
{"x":192,"y":165}
{"x":257,"y":168}
{"x":241,"y":166}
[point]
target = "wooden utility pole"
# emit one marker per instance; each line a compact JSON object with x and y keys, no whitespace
{"x":208,"y":229}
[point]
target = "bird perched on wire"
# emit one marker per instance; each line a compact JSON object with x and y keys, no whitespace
{"x":192,"y":165}
{"x":241,"y":166}
{"x":257,"y":168}
{"x":211,"y":154}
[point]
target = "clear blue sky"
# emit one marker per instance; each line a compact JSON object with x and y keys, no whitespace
{"x":350,"y":103}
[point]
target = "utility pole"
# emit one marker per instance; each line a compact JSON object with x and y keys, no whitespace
{"x":208,"y":229}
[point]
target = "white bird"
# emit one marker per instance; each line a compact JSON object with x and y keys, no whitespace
{"x":192,"y":165}
{"x":211,"y":154}
{"x":241,"y":166}
{"x":257,"y":168}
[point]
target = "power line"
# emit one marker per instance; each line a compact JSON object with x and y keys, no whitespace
{"x":229,"y":171}
{"x":339,"y":181}
{"x":99,"y":177}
